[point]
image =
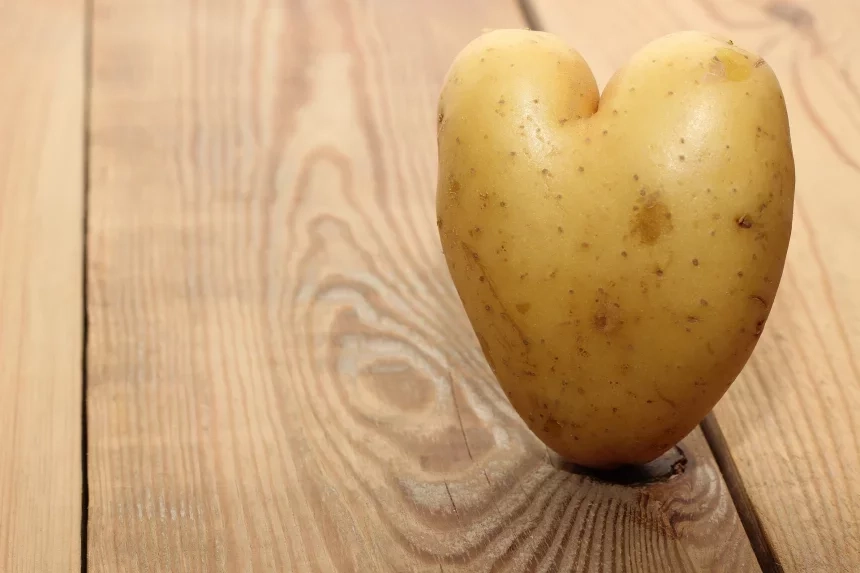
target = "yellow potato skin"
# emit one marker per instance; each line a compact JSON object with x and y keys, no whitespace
{"x":616,"y":256}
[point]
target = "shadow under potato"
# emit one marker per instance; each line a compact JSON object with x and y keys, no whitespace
{"x":667,"y":466}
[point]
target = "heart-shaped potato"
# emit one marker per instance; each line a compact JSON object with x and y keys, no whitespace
{"x":617,"y":256}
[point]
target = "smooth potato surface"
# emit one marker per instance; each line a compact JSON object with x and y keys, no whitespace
{"x":616,"y":256}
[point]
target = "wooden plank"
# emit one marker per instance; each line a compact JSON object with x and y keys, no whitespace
{"x":282,"y":377}
{"x":41,"y":261}
{"x":790,"y":421}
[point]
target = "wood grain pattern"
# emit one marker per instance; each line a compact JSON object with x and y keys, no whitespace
{"x":41,"y":244}
{"x":791,"y":420}
{"x":281,"y":375}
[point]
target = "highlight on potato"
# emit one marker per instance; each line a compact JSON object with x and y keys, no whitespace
{"x":618,"y":254}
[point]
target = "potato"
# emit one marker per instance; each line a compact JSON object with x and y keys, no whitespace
{"x":617,"y":256}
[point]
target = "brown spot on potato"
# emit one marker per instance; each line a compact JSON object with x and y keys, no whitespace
{"x":607,"y":315}
{"x":553,"y":428}
{"x":580,"y":390}
{"x":759,"y":327}
{"x":652,"y":221}
{"x":585,"y":245}
{"x":580,"y":168}
{"x":606,"y":319}
{"x":624,"y":254}
{"x":561,"y":229}
{"x":523,"y":307}
{"x":659,"y":272}
{"x":744,"y":222}
{"x":703,"y":302}
{"x":453,"y":188}
{"x":695,"y":262}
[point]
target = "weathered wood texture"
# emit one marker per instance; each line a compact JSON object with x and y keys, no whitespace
{"x":791,"y":420}
{"x":281,"y":376}
{"x":41,"y":283}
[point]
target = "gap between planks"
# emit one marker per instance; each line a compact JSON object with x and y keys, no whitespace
{"x":86,"y":110}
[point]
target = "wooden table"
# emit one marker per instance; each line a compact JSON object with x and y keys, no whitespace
{"x":228,"y":341}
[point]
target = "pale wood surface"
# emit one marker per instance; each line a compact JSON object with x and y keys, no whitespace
{"x":281,"y":377}
{"x":792,"y":420}
{"x":41,"y":266}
